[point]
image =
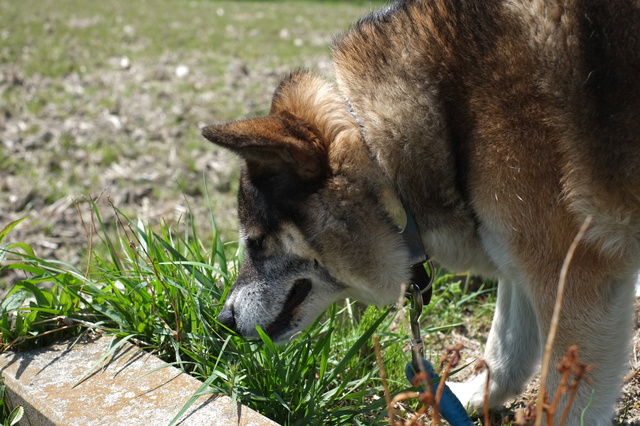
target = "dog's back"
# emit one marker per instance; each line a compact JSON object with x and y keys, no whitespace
{"x":491,"y":82}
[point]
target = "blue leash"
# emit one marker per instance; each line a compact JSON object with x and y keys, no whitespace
{"x":450,"y":406}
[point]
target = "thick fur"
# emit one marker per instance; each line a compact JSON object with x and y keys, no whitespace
{"x":502,"y":125}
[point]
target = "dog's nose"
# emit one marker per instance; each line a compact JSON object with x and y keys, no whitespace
{"x":226,"y":318}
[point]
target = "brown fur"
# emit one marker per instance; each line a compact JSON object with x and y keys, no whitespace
{"x":502,"y":125}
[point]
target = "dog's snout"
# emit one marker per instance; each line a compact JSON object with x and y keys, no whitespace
{"x":227,"y":318}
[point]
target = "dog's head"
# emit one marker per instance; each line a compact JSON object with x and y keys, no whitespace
{"x":315,"y":222}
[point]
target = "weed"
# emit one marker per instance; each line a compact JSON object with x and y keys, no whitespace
{"x":9,"y":416}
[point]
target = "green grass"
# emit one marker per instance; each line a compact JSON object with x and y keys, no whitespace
{"x":164,"y":288}
{"x":87,"y":35}
{"x":8,"y":416}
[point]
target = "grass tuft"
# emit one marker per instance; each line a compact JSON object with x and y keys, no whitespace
{"x":162,"y":288}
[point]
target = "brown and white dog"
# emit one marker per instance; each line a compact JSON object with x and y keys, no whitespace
{"x":501,"y":125}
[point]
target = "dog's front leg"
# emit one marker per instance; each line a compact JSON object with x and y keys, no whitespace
{"x":601,"y":330}
{"x":512,"y":351}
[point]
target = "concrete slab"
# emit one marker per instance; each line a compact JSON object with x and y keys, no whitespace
{"x":56,"y":387}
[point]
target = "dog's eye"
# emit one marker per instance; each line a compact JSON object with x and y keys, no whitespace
{"x":255,"y":243}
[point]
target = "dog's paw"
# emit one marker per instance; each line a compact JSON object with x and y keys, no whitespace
{"x":470,"y":394}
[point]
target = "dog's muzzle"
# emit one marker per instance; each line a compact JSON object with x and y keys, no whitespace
{"x":227,"y":318}
{"x":278,"y":325}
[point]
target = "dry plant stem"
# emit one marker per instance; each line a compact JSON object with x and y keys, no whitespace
{"x":417,"y":414}
{"x":487,"y":419}
{"x":20,"y":339}
{"x":428,"y":399}
{"x":435,"y":418}
{"x":555,"y":318}
{"x":89,"y":233}
{"x":579,"y":370}
{"x":423,"y":379}
{"x":452,"y":358}
{"x":572,"y":395}
{"x":106,"y":240}
{"x":443,"y":378}
{"x":399,"y":397}
{"x":383,"y":373}
{"x":570,"y":363}
{"x":629,"y":377}
{"x":440,"y":390}
{"x":562,"y":388}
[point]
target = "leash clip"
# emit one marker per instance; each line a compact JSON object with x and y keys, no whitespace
{"x":419,"y":295}
{"x":424,"y":281}
{"x":415,"y":311}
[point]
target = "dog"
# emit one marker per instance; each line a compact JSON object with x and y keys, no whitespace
{"x":499,"y":127}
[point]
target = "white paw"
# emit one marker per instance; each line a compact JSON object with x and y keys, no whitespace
{"x":470,"y":394}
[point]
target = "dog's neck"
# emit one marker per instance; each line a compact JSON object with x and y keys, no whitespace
{"x":330,"y":113}
{"x":350,"y":151}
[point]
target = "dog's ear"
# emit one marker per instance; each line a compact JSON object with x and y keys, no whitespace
{"x":307,"y":115}
{"x":274,"y":143}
